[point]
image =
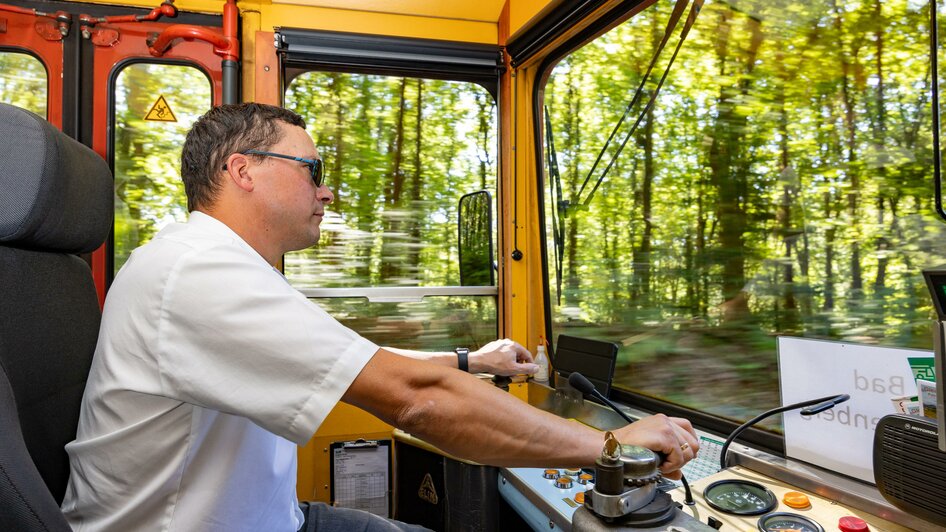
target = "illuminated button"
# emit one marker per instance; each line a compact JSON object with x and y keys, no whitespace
{"x":572,"y":472}
{"x":585,"y":478}
{"x":563,"y":482}
{"x":849,"y":523}
{"x":550,"y":474}
{"x":580,"y":497}
{"x":796,"y":500}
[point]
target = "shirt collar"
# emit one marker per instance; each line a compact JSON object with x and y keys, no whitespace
{"x":205,"y":222}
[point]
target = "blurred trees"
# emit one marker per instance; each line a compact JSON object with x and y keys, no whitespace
{"x":780,"y":185}
{"x":23,"y":82}
{"x":400,"y":154}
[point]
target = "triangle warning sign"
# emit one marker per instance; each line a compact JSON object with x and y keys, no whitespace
{"x":161,"y":111}
{"x":427,"y":491}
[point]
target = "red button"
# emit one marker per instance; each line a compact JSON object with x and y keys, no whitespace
{"x":849,"y":523}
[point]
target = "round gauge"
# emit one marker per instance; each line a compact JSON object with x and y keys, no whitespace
{"x":787,"y":522}
{"x":740,"y":497}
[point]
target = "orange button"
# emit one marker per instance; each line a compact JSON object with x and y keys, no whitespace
{"x":797,"y":500}
{"x":563,"y":483}
{"x":580,"y":497}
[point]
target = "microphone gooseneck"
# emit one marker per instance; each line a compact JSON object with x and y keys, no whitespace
{"x":583,"y":385}
{"x":820,"y":405}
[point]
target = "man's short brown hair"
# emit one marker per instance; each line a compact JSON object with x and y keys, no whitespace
{"x":220,"y":132}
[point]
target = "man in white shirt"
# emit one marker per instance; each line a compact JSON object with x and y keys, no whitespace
{"x":210,"y":369}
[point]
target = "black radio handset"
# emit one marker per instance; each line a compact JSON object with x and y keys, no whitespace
{"x":817,"y":405}
{"x":583,"y":385}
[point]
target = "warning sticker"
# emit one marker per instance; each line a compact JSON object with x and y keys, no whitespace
{"x":161,"y":111}
{"x":427,"y":491}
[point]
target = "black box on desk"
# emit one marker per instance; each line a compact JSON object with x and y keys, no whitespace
{"x":443,"y":493}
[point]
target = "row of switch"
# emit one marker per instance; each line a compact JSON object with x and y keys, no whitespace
{"x":565,"y":479}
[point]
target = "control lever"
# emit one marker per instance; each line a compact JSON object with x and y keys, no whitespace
{"x":583,"y":385}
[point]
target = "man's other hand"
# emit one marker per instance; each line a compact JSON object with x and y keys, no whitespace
{"x":502,"y":357}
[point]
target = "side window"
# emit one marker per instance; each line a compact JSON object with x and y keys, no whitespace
{"x":399,"y":154}
{"x":155,"y":105}
{"x":778,"y":186}
{"x":23,"y":82}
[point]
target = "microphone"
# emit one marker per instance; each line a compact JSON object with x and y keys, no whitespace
{"x":583,"y":385}
{"x":820,"y":405}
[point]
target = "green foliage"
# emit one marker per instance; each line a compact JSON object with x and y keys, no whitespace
{"x":23,"y":82}
{"x":779,"y":187}
{"x":400,"y":154}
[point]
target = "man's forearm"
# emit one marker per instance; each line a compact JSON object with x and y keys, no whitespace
{"x":441,"y":358}
{"x":469,"y":418}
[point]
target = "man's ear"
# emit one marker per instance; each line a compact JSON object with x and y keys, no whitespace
{"x":237,"y":171}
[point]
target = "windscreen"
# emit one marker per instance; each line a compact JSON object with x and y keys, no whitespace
{"x":778,"y":183}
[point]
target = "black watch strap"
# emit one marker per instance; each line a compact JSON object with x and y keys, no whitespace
{"x":463,"y":360}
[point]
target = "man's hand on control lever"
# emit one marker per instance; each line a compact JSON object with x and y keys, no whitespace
{"x":672,"y":436}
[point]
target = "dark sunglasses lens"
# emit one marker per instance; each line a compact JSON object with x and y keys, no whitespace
{"x":317,"y":172}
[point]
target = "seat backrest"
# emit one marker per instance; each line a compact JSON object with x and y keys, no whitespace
{"x":56,"y":201}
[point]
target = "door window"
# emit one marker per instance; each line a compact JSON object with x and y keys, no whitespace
{"x":23,"y":82}
{"x":155,"y":106}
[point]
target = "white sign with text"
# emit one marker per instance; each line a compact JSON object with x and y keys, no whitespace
{"x":840,"y":439}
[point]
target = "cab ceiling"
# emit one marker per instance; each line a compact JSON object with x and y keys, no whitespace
{"x":477,"y":11}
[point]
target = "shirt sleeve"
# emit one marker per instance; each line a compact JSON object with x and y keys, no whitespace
{"x":234,"y":336}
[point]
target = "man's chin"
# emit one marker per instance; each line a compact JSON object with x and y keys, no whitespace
{"x":306,"y":244}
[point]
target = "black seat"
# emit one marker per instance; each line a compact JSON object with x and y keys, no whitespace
{"x":55,"y":202}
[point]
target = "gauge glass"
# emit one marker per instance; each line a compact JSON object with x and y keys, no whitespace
{"x":788,"y":522}
{"x":740,"y":497}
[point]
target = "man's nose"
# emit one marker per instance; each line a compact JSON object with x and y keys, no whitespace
{"x":325,"y":195}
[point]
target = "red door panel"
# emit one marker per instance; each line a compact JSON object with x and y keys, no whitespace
{"x":116,"y":45}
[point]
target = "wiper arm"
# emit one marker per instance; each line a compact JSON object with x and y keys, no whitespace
{"x":559,"y":206}
{"x":671,"y":26}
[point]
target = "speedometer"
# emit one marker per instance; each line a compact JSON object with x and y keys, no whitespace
{"x":740,"y":497}
{"x":784,"y":522}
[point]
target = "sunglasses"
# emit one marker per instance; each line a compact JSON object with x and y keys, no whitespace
{"x":314,"y":165}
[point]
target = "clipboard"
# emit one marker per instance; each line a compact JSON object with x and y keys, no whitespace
{"x":360,"y":472}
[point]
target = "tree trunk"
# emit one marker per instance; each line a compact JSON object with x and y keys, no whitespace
{"x":391,"y":248}
{"x":729,"y":170}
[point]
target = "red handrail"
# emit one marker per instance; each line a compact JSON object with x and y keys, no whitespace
{"x":226,"y":45}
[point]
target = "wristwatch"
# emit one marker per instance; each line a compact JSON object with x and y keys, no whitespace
{"x":463,"y":361}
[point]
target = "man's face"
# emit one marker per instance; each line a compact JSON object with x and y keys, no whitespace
{"x":292,"y":205}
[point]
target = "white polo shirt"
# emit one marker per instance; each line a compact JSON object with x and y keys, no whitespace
{"x":209,"y":370}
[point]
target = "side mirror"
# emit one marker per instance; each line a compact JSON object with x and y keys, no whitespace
{"x":475,"y":239}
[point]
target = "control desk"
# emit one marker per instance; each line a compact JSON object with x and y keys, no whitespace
{"x":761,"y":492}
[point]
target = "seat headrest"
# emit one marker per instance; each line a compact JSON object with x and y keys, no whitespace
{"x":55,"y":193}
